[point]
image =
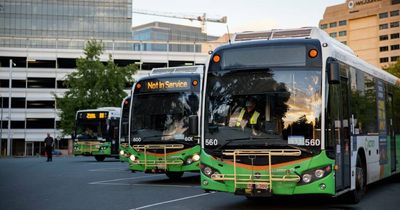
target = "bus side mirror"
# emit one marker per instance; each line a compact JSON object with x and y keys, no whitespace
{"x":193,"y":125}
{"x":333,"y":72}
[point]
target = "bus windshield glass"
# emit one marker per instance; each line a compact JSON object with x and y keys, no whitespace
{"x":125,"y":119}
{"x":265,"y":107}
{"x":163,"y":116}
{"x":89,"y":129}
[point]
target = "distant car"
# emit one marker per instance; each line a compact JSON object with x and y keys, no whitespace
{"x":56,"y":152}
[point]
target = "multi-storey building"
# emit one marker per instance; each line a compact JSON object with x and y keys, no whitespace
{"x":159,"y":31}
{"x":39,"y":44}
{"x":370,"y":27}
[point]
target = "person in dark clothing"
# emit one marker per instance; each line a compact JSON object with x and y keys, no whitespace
{"x":49,"y":143}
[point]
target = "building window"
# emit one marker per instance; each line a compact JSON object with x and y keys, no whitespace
{"x":36,"y":82}
{"x":383,"y":26}
{"x":383,"y":15}
{"x":332,"y":25}
{"x":17,"y":102}
{"x":18,"y":83}
{"x":4,"y":83}
{"x":384,"y":49}
{"x":394,"y":58}
{"x":333,"y":35}
{"x":61,"y":84}
{"x":342,"y":33}
{"x":395,"y":36}
{"x":4,"y":102}
{"x":342,"y":22}
{"x":39,"y":123}
{"x":324,"y":26}
{"x":383,"y":37}
{"x":395,"y":2}
{"x":384,"y":60}
{"x":394,"y":24}
{"x":395,"y":47}
{"x":394,"y":13}
{"x":17,"y":124}
{"x":40,"y":104}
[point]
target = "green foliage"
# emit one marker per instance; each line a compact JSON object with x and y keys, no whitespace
{"x":394,"y":69}
{"x":93,"y":85}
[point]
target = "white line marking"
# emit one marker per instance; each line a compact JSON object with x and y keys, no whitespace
{"x":109,"y":169}
{"x":171,"y":201}
{"x":150,"y":185}
{"x":131,"y":178}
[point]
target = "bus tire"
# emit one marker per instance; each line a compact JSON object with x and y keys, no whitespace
{"x":174,"y":175}
{"x":361,"y":182}
{"x":99,"y":158}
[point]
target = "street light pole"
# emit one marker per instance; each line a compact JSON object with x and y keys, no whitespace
{"x":9,"y":109}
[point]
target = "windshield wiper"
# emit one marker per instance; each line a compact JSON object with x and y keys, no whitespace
{"x":156,"y":136}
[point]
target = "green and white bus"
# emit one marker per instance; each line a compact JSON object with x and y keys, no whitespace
{"x":321,"y":120}
{"x":124,"y":147}
{"x":97,"y":132}
{"x":161,"y":106}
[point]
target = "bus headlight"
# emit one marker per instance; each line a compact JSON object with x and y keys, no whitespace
{"x":207,"y":171}
{"x":121,"y":152}
{"x":196,"y":157}
{"x":319,"y":173}
{"x":306,"y":178}
{"x":189,"y":161}
{"x":315,"y":174}
{"x":132,"y":158}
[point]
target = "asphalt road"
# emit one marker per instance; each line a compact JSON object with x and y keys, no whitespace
{"x":83,"y":183}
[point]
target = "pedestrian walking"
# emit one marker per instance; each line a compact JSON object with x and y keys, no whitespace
{"x":49,"y":143}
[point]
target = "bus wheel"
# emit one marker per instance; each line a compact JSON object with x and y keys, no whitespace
{"x":361,"y":182}
{"x":174,"y":175}
{"x":99,"y":158}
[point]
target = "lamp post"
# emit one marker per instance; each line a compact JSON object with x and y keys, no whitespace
{"x":9,"y":108}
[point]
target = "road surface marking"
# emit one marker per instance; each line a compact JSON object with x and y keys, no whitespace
{"x":131,"y":178}
{"x":171,"y":201}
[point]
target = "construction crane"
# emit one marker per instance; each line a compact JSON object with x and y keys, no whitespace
{"x":203,"y":18}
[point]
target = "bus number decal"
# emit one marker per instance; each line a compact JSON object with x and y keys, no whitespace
{"x":211,"y":142}
{"x":312,"y":142}
{"x":136,"y":139}
{"x":188,"y":138}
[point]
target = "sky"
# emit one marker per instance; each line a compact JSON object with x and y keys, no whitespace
{"x":243,"y":15}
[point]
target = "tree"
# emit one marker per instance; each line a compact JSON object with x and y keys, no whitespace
{"x":394,"y":69}
{"x":93,"y":85}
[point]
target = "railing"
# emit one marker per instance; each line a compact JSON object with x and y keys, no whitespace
{"x":260,"y":179}
{"x":160,"y":163}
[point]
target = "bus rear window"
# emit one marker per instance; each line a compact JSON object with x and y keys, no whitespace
{"x":288,"y":55}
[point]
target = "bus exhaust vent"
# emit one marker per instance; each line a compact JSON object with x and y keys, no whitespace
{"x":182,"y":69}
{"x":247,"y":36}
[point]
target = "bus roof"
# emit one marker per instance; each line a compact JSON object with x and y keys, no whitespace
{"x":330,"y":47}
{"x":198,"y":69}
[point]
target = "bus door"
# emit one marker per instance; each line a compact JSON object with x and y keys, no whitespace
{"x":113,"y":135}
{"x":392,"y":139}
{"x":339,"y":131}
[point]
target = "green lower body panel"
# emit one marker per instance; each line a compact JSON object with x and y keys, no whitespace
{"x":279,"y":179}
{"x":178,"y":161}
{"x":92,"y":148}
{"x":124,"y":153}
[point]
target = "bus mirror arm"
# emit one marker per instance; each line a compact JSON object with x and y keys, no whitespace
{"x":333,"y":72}
{"x":194,"y":125}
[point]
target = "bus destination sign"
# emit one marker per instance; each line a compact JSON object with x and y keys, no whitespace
{"x":93,"y":115}
{"x":164,"y":84}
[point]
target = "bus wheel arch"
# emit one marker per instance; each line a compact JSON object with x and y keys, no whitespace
{"x":361,"y":177}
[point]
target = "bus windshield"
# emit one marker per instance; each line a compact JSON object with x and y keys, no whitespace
{"x":264,"y":107}
{"x":91,"y":129}
{"x":163,"y":116}
{"x":125,"y":120}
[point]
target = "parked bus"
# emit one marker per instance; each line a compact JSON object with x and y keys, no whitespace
{"x":296,"y":112}
{"x":124,"y":150}
{"x":96,"y":132}
{"x":161,"y":106}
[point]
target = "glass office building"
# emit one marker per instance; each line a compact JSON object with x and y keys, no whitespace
{"x":63,"y":19}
